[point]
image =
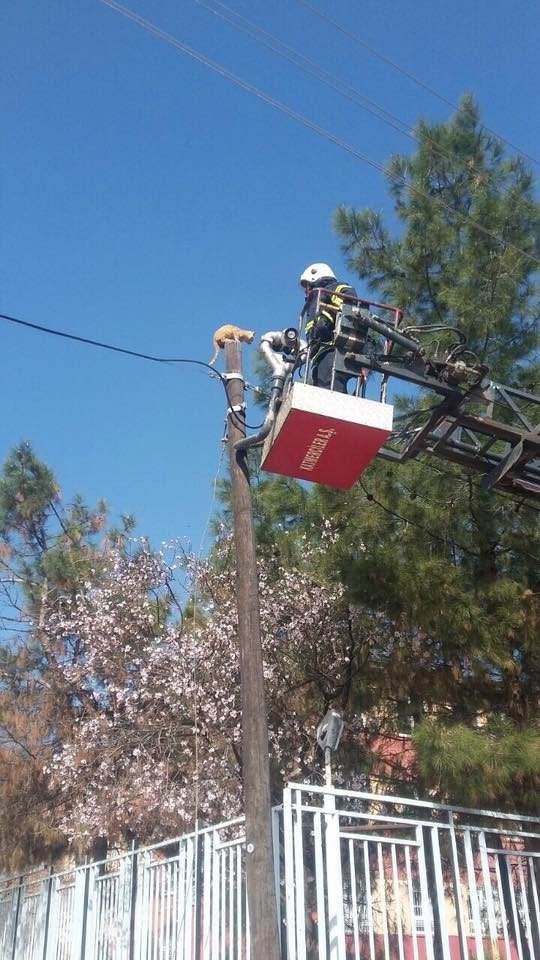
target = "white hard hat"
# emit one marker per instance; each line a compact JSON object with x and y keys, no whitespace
{"x":316,"y":272}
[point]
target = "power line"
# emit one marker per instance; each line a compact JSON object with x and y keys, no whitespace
{"x":398,"y":516}
{"x":130,"y":353}
{"x":173,"y":360}
{"x":243,"y":84}
{"x":446,"y":540}
{"x":503,"y":547}
{"x":464,"y":478}
{"x":313,"y":69}
{"x":310,"y":124}
{"x":406,"y":73}
{"x":98,"y":343}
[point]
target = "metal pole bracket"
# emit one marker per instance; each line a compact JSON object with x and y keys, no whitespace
{"x":236,"y":408}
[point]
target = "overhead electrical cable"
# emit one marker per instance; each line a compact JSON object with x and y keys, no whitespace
{"x":407,"y":520}
{"x":130,"y":353}
{"x":312,"y":69}
{"x":173,"y":360}
{"x":504,"y":548}
{"x":310,"y":124}
{"x":406,"y":73}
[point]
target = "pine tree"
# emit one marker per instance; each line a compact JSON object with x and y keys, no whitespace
{"x":47,"y":550}
{"x":469,"y":242}
{"x":453,"y":569}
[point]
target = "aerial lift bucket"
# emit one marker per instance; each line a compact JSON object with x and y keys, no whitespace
{"x":325,"y":436}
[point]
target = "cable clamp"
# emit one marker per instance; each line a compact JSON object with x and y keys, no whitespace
{"x":237,"y":408}
{"x":233,"y":376}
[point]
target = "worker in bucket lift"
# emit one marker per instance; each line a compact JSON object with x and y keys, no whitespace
{"x":320,"y":323}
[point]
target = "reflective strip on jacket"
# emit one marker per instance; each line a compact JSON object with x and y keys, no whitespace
{"x":320,"y":325}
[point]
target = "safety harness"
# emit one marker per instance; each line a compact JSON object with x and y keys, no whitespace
{"x":327,"y":312}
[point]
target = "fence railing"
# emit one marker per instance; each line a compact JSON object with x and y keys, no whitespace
{"x":358,"y":876}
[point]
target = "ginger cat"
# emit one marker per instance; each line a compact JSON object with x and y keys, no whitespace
{"x":230,"y":332}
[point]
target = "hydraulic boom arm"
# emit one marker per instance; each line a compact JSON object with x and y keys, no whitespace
{"x":477,"y":423}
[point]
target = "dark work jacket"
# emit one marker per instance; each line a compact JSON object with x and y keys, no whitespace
{"x":319,"y":326}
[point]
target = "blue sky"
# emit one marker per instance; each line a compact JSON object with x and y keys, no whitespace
{"x":146,"y":200}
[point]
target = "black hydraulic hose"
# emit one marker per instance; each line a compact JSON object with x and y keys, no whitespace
{"x":257,"y":439}
{"x":390,"y":334}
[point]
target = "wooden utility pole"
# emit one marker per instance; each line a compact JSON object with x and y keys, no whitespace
{"x":255,"y":760}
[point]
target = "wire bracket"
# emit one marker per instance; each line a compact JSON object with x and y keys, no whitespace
{"x":233,"y":376}
{"x":237,"y":408}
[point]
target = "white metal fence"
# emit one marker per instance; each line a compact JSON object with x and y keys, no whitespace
{"x":359,"y":877}
{"x":371,"y":877}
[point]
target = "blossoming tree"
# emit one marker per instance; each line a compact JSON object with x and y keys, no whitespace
{"x":156,"y":741}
